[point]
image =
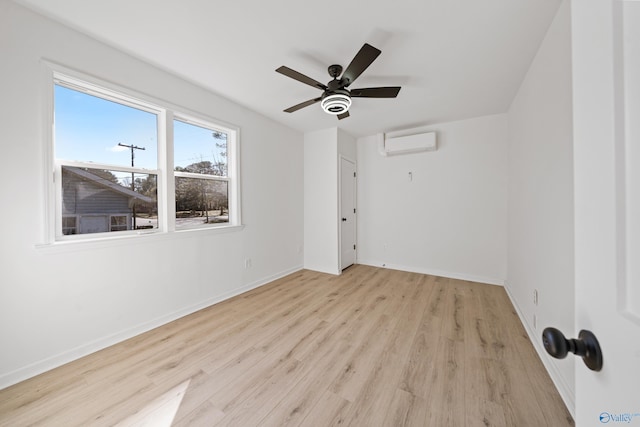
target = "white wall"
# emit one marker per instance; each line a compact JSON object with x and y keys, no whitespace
{"x":56,"y":305}
{"x":450,"y":220}
{"x":541,"y":254}
{"x":346,"y":147}
{"x":322,"y":151}
{"x":321,"y":201}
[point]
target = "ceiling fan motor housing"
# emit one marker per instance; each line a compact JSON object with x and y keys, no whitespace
{"x":335,"y":70}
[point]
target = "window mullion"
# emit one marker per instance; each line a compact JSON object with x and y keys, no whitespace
{"x":167,"y":204}
{"x":233,"y":156}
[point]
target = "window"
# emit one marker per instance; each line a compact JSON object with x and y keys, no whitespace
{"x":110,"y":151}
{"x":106,"y":153}
{"x":200,"y":170}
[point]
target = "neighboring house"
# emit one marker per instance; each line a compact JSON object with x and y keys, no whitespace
{"x":93,"y":204}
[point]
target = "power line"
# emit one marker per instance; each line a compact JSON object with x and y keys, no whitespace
{"x":133,"y":178}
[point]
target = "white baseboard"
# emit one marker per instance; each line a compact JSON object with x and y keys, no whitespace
{"x":567,"y":393}
{"x":435,"y":272}
{"x":47,"y":364}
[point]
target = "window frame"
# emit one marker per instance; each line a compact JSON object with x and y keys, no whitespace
{"x":166,"y":112}
{"x":230,"y":155}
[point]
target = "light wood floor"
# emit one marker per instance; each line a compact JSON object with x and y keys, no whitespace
{"x":373,"y":347}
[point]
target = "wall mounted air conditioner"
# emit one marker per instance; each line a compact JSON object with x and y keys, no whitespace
{"x":409,"y":144}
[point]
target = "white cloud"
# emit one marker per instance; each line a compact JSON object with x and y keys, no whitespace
{"x":117,"y":148}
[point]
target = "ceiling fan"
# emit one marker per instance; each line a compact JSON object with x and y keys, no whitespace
{"x":336,"y":98}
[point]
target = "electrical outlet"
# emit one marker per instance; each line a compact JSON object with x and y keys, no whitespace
{"x":247,"y":263}
{"x":535,"y":297}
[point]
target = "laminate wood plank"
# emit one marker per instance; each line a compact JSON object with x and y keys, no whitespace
{"x":64,"y":409}
{"x":242,"y":380}
{"x":453,"y":312}
{"x":324,"y":359}
{"x":325,"y":412}
{"x":357,"y":369}
{"x":286,"y":404}
{"x":369,"y":347}
{"x":36,"y":392}
{"x":420,"y":363}
{"x":260,"y":330}
{"x":386,"y":373}
{"x":320,"y":372}
{"x":234,"y":404}
{"x":406,"y":410}
{"x":205,"y":415}
{"x":498,"y":314}
{"x":484,"y":413}
{"x":334,"y":363}
{"x":354,"y":286}
{"x":446,"y":402}
{"x":482,"y":398}
{"x":242,"y":399}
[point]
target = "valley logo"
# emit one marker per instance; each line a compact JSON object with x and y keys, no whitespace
{"x":625,"y":417}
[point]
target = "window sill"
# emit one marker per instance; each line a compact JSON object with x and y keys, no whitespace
{"x":130,"y":239}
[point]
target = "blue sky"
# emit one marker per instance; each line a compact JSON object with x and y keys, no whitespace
{"x":89,"y":129}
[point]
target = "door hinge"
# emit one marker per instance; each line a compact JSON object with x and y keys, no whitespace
{"x":354,"y":247}
{"x":354,"y":174}
{"x":354,"y":210}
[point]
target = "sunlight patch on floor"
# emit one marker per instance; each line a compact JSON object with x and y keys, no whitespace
{"x":161,"y":411}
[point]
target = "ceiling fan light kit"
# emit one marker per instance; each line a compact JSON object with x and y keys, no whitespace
{"x":336,"y":103}
{"x":336,"y":98}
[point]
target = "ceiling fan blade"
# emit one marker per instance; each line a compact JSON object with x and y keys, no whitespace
{"x":301,"y":77}
{"x":302,"y":105}
{"x":376,"y":92}
{"x":343,"y":115}
{"x":360,"y":62}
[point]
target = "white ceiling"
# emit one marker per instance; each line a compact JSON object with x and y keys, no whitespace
{"x":454,"y":59}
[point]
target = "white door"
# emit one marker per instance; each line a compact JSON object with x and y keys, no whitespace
{"x":606,"y":103}
{"x":347,"y":213}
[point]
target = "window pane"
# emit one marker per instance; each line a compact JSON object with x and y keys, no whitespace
{"x":69,"y":225}
{"x":199,"y":150}
{"x":96,"y":198}
{"x":201,"y":201}
{"x":119,"y":222}
{"x":89,"y":129}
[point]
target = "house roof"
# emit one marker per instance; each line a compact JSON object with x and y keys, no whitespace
{"x":105,"y":183}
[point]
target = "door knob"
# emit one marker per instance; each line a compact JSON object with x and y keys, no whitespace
{"x":586,"y":346}
{"x":344,"y":219}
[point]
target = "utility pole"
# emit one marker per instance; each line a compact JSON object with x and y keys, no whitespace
{"x":133,"y":186}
